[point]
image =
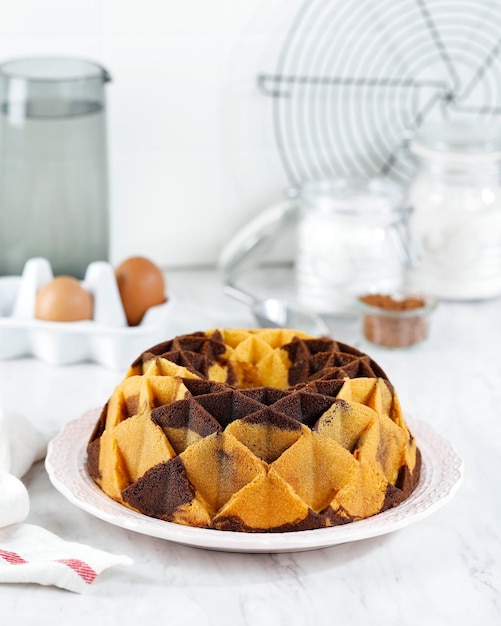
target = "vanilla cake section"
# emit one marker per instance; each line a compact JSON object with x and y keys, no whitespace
{"x":254,"y":430}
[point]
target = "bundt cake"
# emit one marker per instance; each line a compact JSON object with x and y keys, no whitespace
{"x":258,"y":430}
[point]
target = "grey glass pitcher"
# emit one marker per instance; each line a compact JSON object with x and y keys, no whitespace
{"x":53,"y":164}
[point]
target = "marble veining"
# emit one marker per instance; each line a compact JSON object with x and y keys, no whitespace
{"x":444,"y":569}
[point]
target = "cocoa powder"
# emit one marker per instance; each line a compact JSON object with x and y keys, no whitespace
{"x":389,"y":329}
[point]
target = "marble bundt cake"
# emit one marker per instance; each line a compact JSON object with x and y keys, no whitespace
{"x":260,"y":430}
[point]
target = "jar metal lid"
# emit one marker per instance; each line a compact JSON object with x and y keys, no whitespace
{"x":458,"y":142}
{"x":351,"y":196}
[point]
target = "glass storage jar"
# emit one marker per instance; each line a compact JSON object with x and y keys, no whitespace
{"x":352,"y":237}
{"x":456,"y":218}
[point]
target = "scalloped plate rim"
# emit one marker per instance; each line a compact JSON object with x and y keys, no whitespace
{"x":441,"y":476}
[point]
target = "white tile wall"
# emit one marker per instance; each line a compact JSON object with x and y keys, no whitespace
{"x":192,"y":153}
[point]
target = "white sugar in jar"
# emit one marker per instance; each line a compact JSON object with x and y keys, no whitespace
{"x":350,"y":240}
{"x":456,"y":219}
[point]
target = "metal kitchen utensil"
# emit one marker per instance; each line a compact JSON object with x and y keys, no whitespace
{"x":356,"y":79}
{"x":280,"y":313}
{"x":269,"y":312}
{"x":352,"y":237}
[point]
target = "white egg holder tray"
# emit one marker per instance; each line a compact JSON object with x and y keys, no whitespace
{"x":106,"y":339}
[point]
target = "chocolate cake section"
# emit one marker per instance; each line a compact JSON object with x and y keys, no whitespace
{"x":185,"y":414}
{"x":93,"y":452}
{"x":161,"y":491}
{"x":94,"y":445}
{"x":265,"y":395}
{"x":209,"y":348}
{"x":304,"y":407}
{"x":218,"y":432}
{"x":268,"y":416}
{"x":312,"y":521}
{"x":229,"y":405}
{"x":406,"y":482}
{"x":329,"y":388}
{"x":199,"y":386}
{"x":184,"y":422}
{"x":326,"y":359}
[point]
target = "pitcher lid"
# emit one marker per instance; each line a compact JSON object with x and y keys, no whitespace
{"x":53,"y":69}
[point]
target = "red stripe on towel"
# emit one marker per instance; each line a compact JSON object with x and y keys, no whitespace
{"x":12,"y":557}
{"x":84,"y":570}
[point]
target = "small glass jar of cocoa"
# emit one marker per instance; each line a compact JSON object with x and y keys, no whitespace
{"x":395,"y":320}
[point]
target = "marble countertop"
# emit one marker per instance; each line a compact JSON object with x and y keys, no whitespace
{"x":445,"y":569}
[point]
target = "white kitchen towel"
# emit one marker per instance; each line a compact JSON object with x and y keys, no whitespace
{"x":30,"y":554}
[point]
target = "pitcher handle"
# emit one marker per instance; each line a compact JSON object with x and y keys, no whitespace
{"x":256,"y":233}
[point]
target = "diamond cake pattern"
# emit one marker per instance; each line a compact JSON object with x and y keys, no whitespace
{"x":254,"y":430}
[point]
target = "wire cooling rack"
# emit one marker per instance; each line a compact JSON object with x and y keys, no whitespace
{"x":356,"y":79}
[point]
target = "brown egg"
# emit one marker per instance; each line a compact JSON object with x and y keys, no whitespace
{"x":63,"y":299}
{"x":141,"y":285}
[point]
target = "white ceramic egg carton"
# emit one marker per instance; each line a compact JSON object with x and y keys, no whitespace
{"x":106,"y":339}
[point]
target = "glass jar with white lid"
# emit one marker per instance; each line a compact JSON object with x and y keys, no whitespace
{"x":456,"y":218}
